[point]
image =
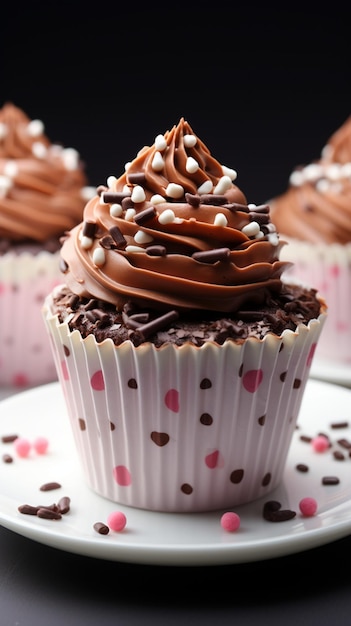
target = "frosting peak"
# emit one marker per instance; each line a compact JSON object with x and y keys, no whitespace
{"x":43,"y":188}
{"x":174,"y":231}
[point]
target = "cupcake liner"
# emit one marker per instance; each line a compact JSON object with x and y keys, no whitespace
{"x":327,"y":268}
{"x":182,"y":429}
{"x":25,"y":352}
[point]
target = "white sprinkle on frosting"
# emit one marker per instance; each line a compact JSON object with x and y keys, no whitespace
{"x":223,"y":185}
{"x":86,"y":242}
{"x":111,"y":181}
{"x":160,"y":142}
{"x":167,"y":217}
{"x":35,"y":128}
{"x":5,"y":185}
{"x":134,"y":249}
{"x":99,"y":258}
{"x":251,"y":230}
{"x":227,"y":171}
{"x":157,"y":199}
{"x":39,"y":150}
{"x":116,"y":210}
{"x":206,"y":187}
{"x":191,"y":165}
{"x":129,"y":216}
{"x":190,"y":141}
{"x":11,"y":169}
{"x":174,"y":191}
{"x":3,"y":130}
{"x":157,"y":162}
{"x":70,"y":158}
{"x":142,"y":237}
{"x":220,"y":220}
{"x":138,"y":194}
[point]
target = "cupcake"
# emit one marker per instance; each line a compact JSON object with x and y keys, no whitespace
{"x":182,"y":355}
{"x":43,"y":191}
{"x":314,"y":216}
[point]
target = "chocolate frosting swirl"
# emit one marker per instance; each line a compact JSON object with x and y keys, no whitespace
{"x":316,"y":206}
{"x":174,"y":232}
{"x":43,"y":188}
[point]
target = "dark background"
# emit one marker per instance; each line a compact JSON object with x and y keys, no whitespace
{"x":263,"y":87}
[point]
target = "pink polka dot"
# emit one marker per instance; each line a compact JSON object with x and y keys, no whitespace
{"x":20,"y":380}
{"x":2,"y":288}
{"x":334,"y":271}
{"x":64,"y":370}
{"x":320,"y":443}
{"x":230,"y":521}
{"x":97,"y":381}
{"x":122,"y":475}
{"x":252,"y":380}
{"x":311,"y":354}
{"x":172,"y":400}
{"x":212,"y":459}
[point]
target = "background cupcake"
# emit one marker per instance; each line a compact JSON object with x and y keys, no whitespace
{"x":182,"y":356}
{"x":314,"y":215}
{"x":43,"y":190}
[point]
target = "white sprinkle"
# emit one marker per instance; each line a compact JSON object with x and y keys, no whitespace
{"x":251,"y":229}
{"x":296,"y":178}
{"x":88,"y":192}
{"x":166,"y":217}
{"x":35,"y":128}
{"x":346,"y":170}
{"x":11,"y":169}
{"x":223,"y":185}
{"x":206,"y":187}
{"x":134,"y":249}
{"x":157,"y":162}
{"x":273,"y":239}
{"x":220,"y":220}
{"x":141,"y":237}
{"x":323,"y":185}
{"x":3,"y":130}
{"x":157,"y":199}
{"x":259,"y":235}
{"x":160,"y":142}
{"x":313,"y":171}
{"x":190,"y":141}
{"x":111,"y":181}
{"x":39,"y":150}
{"x":116,"y":210}
{"x":5,"y":185}
{"x":127,"y":166}
{"x":129,"y":216}
{"x":86,"y":242}
{"x":174,"y":191}
{"x":333,"y":171}
{"x":138,"y":194}
{"x":70,"y":158}
{"x":227,"y":171}
{"x":99,"y":258}
{"x":191,"y":165}
{"x":252,"y":206}
{"x":126,"y":190}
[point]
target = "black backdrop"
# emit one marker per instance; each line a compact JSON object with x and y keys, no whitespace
{"x":264,"y":88}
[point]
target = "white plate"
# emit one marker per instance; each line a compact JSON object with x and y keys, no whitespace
{"x":331,"y":372}
{"x":165,"y":538}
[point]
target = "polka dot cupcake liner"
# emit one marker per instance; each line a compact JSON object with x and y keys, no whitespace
{"x":328,"y":269}
{"x":182,"y":429}
{"x":26,"y":356}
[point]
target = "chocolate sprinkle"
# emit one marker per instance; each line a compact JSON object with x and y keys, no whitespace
{"x":101,"y":528}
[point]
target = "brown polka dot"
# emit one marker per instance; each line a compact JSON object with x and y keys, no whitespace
{"x":160,"y":439}
{"x":206,"y":419}
{"x":283,"y":376}
{"x":236,"y":476}
{"x":66,"y":350}
{"x":82,"y":424}
{"x":261,"y":420}
{"x":112,"y":426}
{"x":205,"y":383}
{"x":187,"y":489}
{"x":297,"y":383}
{"x":266,"y":479}
{"x":281,"y":347}
{"x":241,"y":370}
{"x":132,"y":383}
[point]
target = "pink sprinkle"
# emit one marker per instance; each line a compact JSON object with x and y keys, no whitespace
{"x":22,"y":446}
{"x":230,"y":521}
{"x":116,"y":521}
{"x":308,"y":506}
{"x":320,"y":443}
{"x":40,"y":445}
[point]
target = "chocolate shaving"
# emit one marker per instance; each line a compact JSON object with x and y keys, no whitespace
{"x":114,"y":197}
{"x":89,"y":229}
{"x":137,"y":178}
{"x":156,"y":250}
{"x":145,"y":216}
{"x":214,"y":199}
{"x":140,"y":334}
{"x":193,"y":200}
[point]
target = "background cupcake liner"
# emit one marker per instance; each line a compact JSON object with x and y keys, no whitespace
{"x":327,"y":268}
{"x":182,"y":429}
{"x":25,"y":351}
